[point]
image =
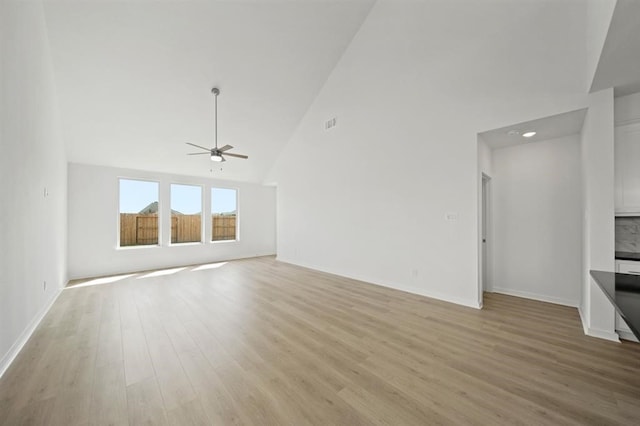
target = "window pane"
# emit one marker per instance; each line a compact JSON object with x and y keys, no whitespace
{"x":223,"y":214}
{"x":186,"y":214}
{"x":138,"y":213}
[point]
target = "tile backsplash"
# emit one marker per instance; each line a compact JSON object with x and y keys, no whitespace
{"x":628,"y":234}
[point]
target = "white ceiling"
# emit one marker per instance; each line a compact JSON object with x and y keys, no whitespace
{"x":553,"y":127}
{"x":619,"y":64}
{"x":134,"y":78}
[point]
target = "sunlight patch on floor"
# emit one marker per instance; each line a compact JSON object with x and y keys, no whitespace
{"x":102,"y":280}
{"x":209,"y":266}
{"x":162,"y":273}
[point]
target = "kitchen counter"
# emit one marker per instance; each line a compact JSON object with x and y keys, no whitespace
{"x":624,"y":255}
{"x":623,"y":290}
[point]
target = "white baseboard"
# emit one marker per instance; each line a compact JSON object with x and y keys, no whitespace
{"x":627,"y":335}
{"x":594,"y":332}
{"x":535,"y":296}
{"x":603,"y":334}
{"x":585,"y":326}
{"x":13,"y":352}
{"x":471,"y":303}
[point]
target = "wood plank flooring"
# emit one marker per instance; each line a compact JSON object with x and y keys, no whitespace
{"x":259,"y":342}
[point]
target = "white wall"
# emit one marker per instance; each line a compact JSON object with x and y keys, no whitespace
{"x":93,"y":224}
{"x":370,"y":198}
{"x":485,"y":158}
{"x":596,"y":148}
{"x":627,"y":109}
{"x":537,"y":218}
{"x":32,"y":158}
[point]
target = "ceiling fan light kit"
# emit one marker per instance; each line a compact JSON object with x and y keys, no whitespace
{"x":216,"y":153}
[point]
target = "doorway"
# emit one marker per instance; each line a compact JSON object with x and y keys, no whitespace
{"x":485,"y":237}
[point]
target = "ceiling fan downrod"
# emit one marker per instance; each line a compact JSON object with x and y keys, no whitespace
{"x":216,"y":92}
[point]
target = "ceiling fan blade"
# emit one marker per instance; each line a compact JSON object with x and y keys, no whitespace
{"x":198,"y":146}
{"x":198,"y":153}
{"x":225,"y":148}
{"x":236,"y":155}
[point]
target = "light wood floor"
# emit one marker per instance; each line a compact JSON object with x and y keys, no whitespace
{"x":261,"y":342}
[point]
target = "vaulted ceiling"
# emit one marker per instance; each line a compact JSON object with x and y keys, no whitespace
{"x":134,"y":78}
{"x":619,"y":62}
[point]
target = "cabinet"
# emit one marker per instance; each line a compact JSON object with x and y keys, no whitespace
{"x":627,"y":169}
{"x":626,"y":267}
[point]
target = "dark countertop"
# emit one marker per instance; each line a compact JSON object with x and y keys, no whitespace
{"x":625,"y":255}
{"x":623,"y":290}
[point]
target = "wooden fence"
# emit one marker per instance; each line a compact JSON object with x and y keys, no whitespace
{"x":186,"y":228}
{"x":142,"y":229}
{"x":138,"y":229}
{"x":224,"y":227}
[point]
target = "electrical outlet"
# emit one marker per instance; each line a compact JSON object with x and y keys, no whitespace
{"x":44,"y":286}
{"x":46,"y":192}
{"x":414,"y":273}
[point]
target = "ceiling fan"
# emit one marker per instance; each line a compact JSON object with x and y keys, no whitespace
{"x":216,"y":153}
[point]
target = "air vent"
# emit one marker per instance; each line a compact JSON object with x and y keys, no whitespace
{"x":330,"y":124}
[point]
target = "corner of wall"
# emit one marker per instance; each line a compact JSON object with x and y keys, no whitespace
{"x":597,"y":158}
{"x":584,"y":318}
{"x":594,"y":332}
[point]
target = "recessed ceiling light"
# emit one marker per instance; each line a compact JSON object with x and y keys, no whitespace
{"x":513,"y":133}
{"x":528,"y":134}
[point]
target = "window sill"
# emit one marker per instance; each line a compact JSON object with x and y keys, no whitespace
{"x":140,"y":247}
{"x":223,"y":241}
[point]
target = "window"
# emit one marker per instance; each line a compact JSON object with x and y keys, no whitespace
{"x":138,"y":213}
{"x":224,"y":209}
{"x":186,"y":213}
